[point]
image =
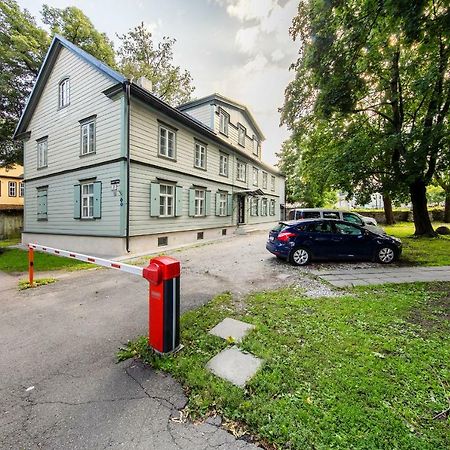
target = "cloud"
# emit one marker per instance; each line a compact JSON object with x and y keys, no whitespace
{"x":246,"y":39}
{"x":277,"y":55}
{"x":246,"y":10}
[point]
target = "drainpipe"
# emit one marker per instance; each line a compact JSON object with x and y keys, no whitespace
{"x":127,"y":226}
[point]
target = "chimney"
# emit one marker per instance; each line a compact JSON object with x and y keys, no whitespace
{"x":145,"y":83}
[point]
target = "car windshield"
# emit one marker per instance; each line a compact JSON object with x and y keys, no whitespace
{"x":279,"y":227}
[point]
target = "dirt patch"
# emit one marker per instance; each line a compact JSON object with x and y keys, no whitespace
{"x":434,"y":315}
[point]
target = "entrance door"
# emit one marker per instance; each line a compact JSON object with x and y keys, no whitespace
{"x":241,"y":209}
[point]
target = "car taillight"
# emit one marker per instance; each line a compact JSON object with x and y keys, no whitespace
{"x":284,"y":236}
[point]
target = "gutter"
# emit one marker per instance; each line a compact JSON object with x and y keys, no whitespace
{"x":126,"y":85}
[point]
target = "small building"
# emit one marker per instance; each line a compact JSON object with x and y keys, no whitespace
{"x":110,"y":168}
{"x":11,"y":187}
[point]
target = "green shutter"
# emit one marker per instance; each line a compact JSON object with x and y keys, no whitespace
{"x":154,"y":199}
{"x":217,"y":203}
{"x":230,"y":205}
{"x":208,"y":203}
{"x":42,"y":204}
{"x":192,"y":202}
{"x":97,"y":200}
{"x":178,"y":200}
{"x":77,"y":201}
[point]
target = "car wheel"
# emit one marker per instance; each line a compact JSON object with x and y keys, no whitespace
{"x":300,"y":256}
{"x":385,"y":255}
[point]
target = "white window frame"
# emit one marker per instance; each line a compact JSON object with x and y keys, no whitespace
{"x":255,"y":176}
{"x":264,"y":180}
{"x":272,"y":207}
{"x":242,"y":131}
{"x":12,"y":189}
{"x":166,"y":200}
{"x":223,"y":164}
{"x":200,"y":156}
{"x":87,"y":210}
{"x":255,"y":145}
{"x":272,"y":183}
{"x":224,"y":121}
{"x":254,"y":206}
{"x":42,"y":153}
{"x":264,"y":209}
{"x":21,"y":188}
{"x":223,"y":202}
{"x":91,"y":137}
{"x":163,"y":147}
{"x":64,"y":93}
{"x":241,"y":171}
{"x":200,"y":202}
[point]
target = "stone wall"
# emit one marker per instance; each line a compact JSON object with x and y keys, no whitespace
{"x":11,"y":222}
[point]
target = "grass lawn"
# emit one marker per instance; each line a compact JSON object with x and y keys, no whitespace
{"x":16,"y":260}
{"x":370,"y":370}
{"x":423,"y":251}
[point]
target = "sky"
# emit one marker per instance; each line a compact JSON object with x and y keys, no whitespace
{"x":238,"y":48}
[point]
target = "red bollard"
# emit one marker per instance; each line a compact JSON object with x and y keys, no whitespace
{"x":30,"y":266}
{"x":163,"y":274}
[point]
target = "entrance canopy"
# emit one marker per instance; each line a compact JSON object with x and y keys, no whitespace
{"x":251,"y":192}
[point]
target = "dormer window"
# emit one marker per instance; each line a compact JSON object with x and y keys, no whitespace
{"x":241,"y":134}
{"x":64,"y":93}
{"x":224,"y":120}
{"x":255,"y":145}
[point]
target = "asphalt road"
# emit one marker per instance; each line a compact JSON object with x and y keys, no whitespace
{"x":60,"y":385}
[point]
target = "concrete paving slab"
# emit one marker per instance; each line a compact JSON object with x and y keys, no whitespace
{"x":235,"y":366}
{"x":231,"y":328}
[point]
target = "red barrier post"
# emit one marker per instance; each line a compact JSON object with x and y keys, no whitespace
{"x":163,"y":274}
{"x":30,"y":266}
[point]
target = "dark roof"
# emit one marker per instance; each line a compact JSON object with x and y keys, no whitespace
{"x":218,"y":98}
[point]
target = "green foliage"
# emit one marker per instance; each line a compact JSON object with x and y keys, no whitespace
{"x":373,"y":78}
{"x":138,"y":56}
{"x":25,"y":284}
{"x":435,"y":195}
{"x":363,"y":371}
{"x":16,"y":260}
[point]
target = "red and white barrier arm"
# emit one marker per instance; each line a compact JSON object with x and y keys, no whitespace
{"x":89,"y":259}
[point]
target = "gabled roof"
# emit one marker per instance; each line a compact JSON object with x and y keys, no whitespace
{"x":218,"y":98}
{"x":56,"y":45}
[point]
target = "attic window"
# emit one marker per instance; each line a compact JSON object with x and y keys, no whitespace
{"x":224,"y":120}
{"x":64,"y":93}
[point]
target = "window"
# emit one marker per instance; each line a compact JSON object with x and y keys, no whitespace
{"x":348,"y":229}
{"x":42,"y":151}
{"x":200,"y":202}
{"x":166,"y":200}
{"x":42,"y":194}
{"x":264,"y":181}
{"x":12,"y":189}
{"x":21,"y":189}
{"x":200,"y":156}
{"x":254,"y":206}
{"x":241,"y":134}
{"x":240,"y":171}
{"x":166,"y":142}
{"x":272,"y":183}
{"x":224,"y":232}
{"x":331,"y":215}
{"x":272,"y":207}
{"x":255,"y":145}
{"x":223,"y":165}
{"x":162,"y":241}
{"x":222,"y":204}
{"x":64,"y":93}
{"x":255,"y":176}
{"x":264,"y":207}
{"x":353,"y":218}
{"x":88,"y":137}
{"x":321,"y":227}
{"x":87,"y":201}
{"x":200,"y":235}
{"x":224,"y":120}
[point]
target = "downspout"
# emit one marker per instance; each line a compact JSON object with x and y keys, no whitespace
{"x":127,"y":225}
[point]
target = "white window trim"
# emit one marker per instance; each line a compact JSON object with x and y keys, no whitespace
{"x":64,"y":93}
{"x":12,"y":189}
{"x":90,"y":202}
{"x":21,"y":188}
{"x":166,"y":197}
{"x":223,"y":203}
{"x":272,"y":183}
{"x":244,"y":166}
{"x":223,"y":157}
{"x":255,"y":175}
{"x":272,"y":207}
{"x":255,"y":145}
{"x":42,"y":153}
{"x":264,"y":207}
{"x":243,"y":130}
{"x":264,"y":180}
{"x":200,"y":202}
{"x":224,"y":121}
{"x":164,"y":152}
{"x":91,"y":143}
{"x":199,"y":162}
{"x":254,"y":207}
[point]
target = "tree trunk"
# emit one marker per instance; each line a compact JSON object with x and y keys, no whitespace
{"x":422,"y":222}
{"x":447,"y":207}
{"x":388,"y":213}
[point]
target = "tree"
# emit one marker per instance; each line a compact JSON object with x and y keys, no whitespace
{"x":138,"y":56}
{"x":383,"y":60}
{"x":443,"y":181}
{"x":76,"y":27}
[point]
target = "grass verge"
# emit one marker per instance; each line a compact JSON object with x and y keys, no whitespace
{"x":421,"y":250}
{"x":370,"y":370}
{"x":16,"y":260}
{"x":24,"y":284}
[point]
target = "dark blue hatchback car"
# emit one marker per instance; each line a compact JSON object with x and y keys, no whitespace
{"x":301,"y":241}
